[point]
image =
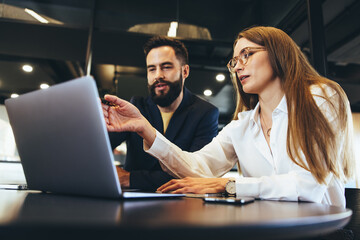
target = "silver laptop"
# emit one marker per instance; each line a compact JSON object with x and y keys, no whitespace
{"x":63,"y":143}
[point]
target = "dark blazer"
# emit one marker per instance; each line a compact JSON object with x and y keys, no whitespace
{"x":192,"y":126}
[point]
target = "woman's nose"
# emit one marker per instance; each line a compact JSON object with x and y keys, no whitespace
{"x":239,"y":66}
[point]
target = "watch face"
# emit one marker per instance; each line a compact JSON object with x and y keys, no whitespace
{"x":231,"y":187}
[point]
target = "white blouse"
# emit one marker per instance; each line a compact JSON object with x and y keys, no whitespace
{"x":266,"y":173}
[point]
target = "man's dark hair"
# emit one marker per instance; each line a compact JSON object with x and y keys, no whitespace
{"x":181,"y":52}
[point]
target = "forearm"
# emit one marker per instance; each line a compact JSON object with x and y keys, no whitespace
{"x":211,"y":161}
{"x":298,"y":185}
{"x":148,"y":133}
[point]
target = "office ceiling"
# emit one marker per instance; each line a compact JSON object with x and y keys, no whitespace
{"x":58,"y":50}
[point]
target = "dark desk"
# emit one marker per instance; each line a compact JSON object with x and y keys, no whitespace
{"x":25,"y":215}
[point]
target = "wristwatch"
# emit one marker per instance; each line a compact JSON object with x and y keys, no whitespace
{"x":230,"y":188}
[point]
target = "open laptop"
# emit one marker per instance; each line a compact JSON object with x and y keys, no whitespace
{"x":63,"y":143}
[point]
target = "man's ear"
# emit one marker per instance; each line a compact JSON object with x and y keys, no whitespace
{"x":185,"y":71}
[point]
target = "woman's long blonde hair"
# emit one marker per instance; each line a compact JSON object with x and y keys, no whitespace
{"x":309,"y":132}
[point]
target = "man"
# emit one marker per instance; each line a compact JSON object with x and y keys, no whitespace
{"x":184,"y":118}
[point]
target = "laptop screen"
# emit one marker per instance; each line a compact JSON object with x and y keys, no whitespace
{"x":62,"y":140}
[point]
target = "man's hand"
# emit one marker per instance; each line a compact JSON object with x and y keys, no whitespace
{"x":195,"y":185}
{"x":124,"y":177}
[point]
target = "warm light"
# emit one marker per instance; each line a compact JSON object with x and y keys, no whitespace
{"x":27,"y":68}
{"x":44,"y":86}
{"x":14,"y":95}
{"x":220,"y":77}
{"x":207,"y":92}
{"x":173,"y":29}
{"x":36,"y":16}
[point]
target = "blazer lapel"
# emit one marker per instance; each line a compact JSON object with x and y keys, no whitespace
{"x":155,"y":116}
{"x":179,"y":116}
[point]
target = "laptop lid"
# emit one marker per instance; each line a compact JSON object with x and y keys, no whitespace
{"x":62,"y":140}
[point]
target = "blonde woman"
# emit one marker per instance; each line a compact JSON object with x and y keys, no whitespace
{"x":291,"y":134}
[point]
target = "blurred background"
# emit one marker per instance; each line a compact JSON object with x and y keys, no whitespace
{"x":45,"y":42}
{"x":60,"y":39}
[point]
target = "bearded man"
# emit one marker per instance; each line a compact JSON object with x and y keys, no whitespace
{"x":185,"y":119}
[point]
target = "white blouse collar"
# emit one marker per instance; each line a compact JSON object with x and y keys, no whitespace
{"x":281,"y":107}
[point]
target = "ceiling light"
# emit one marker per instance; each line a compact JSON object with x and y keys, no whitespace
{"x":183,"y":30}
{"x":220,"y":77}
{"x":27,"y":68}
{"x":36,"y":16}
{"x":14,"y":95}
{"x":172,"y":29}
{"x":44,"y":86}
{"x":207,"y":92}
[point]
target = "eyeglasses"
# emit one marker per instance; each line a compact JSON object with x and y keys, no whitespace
{"x":243,"y":57}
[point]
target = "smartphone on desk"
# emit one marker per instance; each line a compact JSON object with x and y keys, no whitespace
{"x":229,"y":200}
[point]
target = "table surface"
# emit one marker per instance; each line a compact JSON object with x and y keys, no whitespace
{"x":36,"y":215}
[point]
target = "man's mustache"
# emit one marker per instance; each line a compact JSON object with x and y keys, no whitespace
{"x":161,"y":81}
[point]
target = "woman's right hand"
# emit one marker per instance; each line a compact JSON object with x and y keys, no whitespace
{"x":122,"y":116}
{"x":195,"y":185}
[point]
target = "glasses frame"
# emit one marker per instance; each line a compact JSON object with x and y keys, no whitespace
{"x":243,"y":57}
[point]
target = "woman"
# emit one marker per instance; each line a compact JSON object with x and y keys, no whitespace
{"x":291,"y":133}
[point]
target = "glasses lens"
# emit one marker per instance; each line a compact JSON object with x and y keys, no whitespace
{"x":245,"y":55}
{"x":242,"y":58}
{"x":232,"y":63}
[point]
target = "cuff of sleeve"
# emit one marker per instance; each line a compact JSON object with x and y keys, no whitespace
{"x":159,"y":145}
{"x":247,"y":187}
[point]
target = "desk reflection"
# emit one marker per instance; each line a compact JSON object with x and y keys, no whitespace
{"x":62,"y":209}
{"x":34,"y":215}
{"x":59,"y":209}
{"x":46,"y":208}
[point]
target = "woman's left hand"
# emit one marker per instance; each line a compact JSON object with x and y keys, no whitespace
{"x":122,"y":116}
{"x":195,"y":185}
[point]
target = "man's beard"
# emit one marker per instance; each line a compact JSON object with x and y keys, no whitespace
{"x":165,"y":100}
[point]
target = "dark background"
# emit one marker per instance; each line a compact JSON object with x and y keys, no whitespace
{"x":59,"y":50}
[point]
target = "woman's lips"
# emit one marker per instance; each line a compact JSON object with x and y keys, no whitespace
{"x":242,"y":78}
